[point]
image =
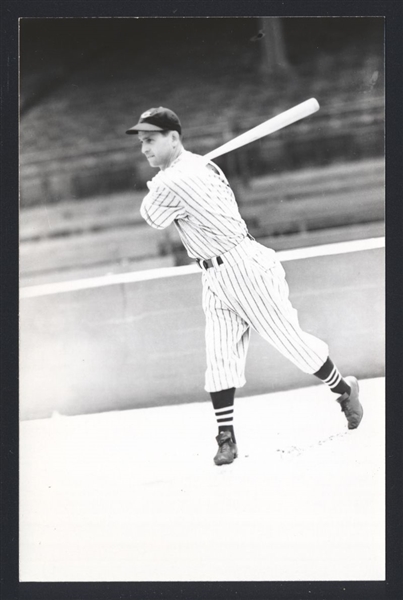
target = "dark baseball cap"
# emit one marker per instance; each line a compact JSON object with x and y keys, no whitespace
{"x":157,"y":119}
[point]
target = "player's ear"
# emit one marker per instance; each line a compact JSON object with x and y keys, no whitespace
{"x":175,"y":137}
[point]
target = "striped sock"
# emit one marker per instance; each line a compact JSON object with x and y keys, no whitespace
{"x":225,"y":417}
{"x":223,"y":403}
{"x":331,"y":376}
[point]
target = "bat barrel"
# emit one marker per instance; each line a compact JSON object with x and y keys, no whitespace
{"x":296,"y":113}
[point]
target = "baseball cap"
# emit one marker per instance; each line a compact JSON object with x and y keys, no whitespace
{"x":157,"y":119}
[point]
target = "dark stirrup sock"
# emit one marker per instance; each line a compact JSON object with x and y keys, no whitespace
{"x":331,"y":376}
{"x":223,"y":403}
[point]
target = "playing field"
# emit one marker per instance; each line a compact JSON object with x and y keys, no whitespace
{"x":134,"y":495}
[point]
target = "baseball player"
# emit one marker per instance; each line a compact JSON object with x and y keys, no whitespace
{"x":244,"y":283}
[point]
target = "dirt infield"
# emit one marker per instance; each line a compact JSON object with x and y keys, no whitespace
{"x":135,"y":496}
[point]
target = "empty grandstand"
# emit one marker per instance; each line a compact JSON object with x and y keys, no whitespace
{"x":83,"y":81}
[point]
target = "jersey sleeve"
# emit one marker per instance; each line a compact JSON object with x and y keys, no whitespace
{"x":162,"y":205}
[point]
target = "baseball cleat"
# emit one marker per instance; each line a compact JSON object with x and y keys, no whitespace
{"x":227,"y":449}
{"x":350,"y":404}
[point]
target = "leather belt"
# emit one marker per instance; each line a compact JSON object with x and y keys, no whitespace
{"x":208,"y":262}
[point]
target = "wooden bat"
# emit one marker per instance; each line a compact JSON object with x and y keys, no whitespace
{"x":298,"y":112}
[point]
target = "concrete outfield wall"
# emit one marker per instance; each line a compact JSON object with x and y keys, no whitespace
{"x":141,"y":343}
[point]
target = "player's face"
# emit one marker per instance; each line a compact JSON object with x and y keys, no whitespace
{"x":157,"y":147}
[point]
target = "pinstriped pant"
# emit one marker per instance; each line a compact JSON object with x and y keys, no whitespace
{"x":249,"y":290}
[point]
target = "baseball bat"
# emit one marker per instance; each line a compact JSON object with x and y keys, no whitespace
{"x":298,"y":112}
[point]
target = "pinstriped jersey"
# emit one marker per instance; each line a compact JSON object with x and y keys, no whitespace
{"x":198,"y":199}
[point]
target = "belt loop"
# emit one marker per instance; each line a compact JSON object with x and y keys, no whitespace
{"x":203,"y":264}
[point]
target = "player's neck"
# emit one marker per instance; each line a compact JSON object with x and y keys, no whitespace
{"x":175,"y":154}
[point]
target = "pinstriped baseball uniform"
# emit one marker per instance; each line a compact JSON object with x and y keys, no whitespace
{"x":199,"y":202}
{"x":245,"y":287}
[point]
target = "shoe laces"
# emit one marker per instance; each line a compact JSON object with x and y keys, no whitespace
{"x":344,"y":401}
{"x":224,"y":437}
{"x":345,"y":406}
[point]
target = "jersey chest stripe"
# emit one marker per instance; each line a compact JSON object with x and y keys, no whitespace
{"x":186,"y":194}
{"x":212,"y":249}
{"x":206,"y":249}
{"x":217,"y":200}
{"x":211,"y":244}
{"x":187,"y":198}
{"x":192,"y":238}
{"x":197,"y":243}
{"x":206,"y":246}
{"x":209,"y":192}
